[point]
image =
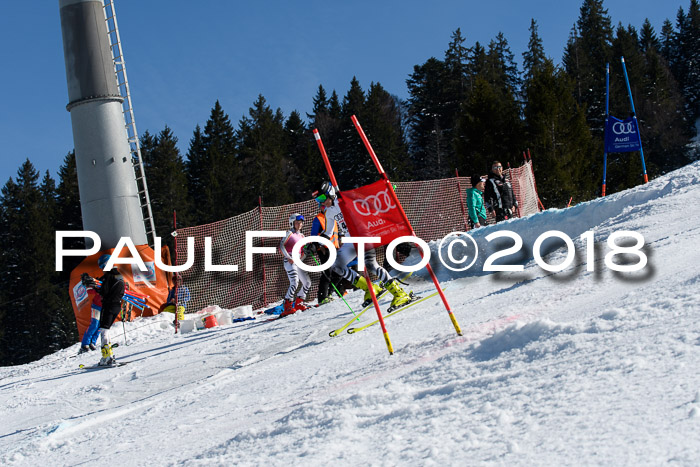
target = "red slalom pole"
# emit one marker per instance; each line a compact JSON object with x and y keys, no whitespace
{"x":379,"y":167}
{"x":177,"y":321}
{"x":510,"y":174}
{"x":326,"y":161}
{"x":379,"y":313}
{"x":329,"y":169}
{"x":264,"y":281}
{"x":534,"y":180}
{"x":461,"y":201}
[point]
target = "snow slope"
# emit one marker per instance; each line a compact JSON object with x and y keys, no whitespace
{"x":568,"y":368}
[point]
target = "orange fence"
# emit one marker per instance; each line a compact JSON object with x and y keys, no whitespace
{"x":434,"y":207}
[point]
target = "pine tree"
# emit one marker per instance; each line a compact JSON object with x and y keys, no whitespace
{"x":299,"y":149}
{"x":682,"y":50}
{"x":501,"y":69}
{"x":354,"y":100}
{"x":213,"y":170}
{"x":534,"y":57}
{"x":430,"y":128}
{"x":335,"y":110}
{"x":490,"y":125}
{"x":457,"y":63}
{"x":62,"y":330}
{"x":456,"y":85}
{"x":69,"y":213}
{"x":585,"y":56}
{"x":624,"y":170}
{"x":354,"y":167}
{"x":477,"y":64}
{"x":198,"y":175}
{"x":658,"y":105}
{"x":556,"y":130}
{"x":296,"y":135}
{"x":559,"y":138}
{"x":664,"y":131}
{"x":678,"y":64}
{"x":69,"y":217}
{"x":220,"y":143}
{"x":383,"y":127}
{"x":690,"y":54}
{"x":668,"y":43}
{"x":625,"y":44}
{"x":320,"y":101}
{"x":489,"y":128}
{"x":327,"y":120}
{"x":167,"y":183}
{"x":39,"y":307}
{"x":647,"y":37}
{"x":262,"y":152}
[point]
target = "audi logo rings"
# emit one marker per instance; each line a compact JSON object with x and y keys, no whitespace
{"x":375,"y":204}
{"x":623,"y":128}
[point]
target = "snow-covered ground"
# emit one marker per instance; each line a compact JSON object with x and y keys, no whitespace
{"x":571,"y":368}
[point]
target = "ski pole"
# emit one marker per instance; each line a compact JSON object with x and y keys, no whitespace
{"x":336,"y":288}
{"x":124,"y":325}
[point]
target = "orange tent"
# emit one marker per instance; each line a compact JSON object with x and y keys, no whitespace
{"x":152,"y":283}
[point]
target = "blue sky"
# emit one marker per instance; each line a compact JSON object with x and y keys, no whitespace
{"x":182,"y":56}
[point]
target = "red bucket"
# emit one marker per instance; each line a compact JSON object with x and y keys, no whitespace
{"x":210,"y":321}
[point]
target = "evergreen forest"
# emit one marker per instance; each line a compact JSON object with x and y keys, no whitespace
{"x":466,"y":107}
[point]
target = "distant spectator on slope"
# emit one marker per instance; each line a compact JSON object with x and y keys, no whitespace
{"x":498,"y":194}
{"x":475,"y":202}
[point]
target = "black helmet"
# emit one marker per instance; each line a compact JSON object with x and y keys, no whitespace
{"x":326,"y":189}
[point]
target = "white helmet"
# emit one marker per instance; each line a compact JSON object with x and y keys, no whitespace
{"x":295,"y":217}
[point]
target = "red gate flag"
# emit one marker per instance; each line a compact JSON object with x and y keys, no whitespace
{"x":370,"y":211}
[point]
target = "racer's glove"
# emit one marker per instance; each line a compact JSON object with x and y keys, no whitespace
{"x":311,"y":248}
{"x":87,"y":280}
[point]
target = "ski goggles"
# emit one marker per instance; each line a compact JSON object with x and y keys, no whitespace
{"x":320,"y":198}
{"x":299,"y":218}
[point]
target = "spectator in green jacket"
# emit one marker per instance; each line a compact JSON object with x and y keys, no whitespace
{"x":475,"y":201}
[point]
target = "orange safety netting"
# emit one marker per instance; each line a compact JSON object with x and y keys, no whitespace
{"x":434,"y":207}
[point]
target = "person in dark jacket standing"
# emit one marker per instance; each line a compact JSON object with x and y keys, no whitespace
{"x":112,"y":291}
{"x":498,"y":194}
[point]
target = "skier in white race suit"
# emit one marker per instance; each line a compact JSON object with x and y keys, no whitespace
{"x":294,"y":273}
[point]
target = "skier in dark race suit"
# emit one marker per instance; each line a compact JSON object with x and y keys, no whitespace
{"x":112,"y":291}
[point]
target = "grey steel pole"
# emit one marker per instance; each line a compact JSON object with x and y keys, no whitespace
{"x":109,"y":198}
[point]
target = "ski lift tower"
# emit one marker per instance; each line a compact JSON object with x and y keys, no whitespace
{"x":113,"y":194}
